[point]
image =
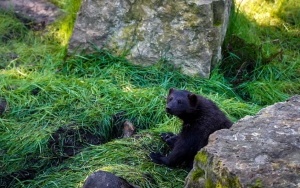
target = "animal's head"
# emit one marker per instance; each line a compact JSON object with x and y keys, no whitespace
{"x":181,"y":102}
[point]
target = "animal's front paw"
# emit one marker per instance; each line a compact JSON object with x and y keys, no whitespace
{"x":166,"y":136}
{"x":156,"y":157}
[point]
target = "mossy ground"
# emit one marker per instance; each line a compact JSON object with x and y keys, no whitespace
{"x":46,"y":90}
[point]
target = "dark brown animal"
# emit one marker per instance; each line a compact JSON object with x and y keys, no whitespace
{"x":201,"y":117}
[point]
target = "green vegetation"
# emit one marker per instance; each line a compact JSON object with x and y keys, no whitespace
{"x":262,"y":47}
{"x":197,"y":174}
{"x":202,"y":157}
{"x":46,"y":92}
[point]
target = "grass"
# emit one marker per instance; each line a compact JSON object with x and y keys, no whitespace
{"x":262,"y":59}
{"x":46,"y":92}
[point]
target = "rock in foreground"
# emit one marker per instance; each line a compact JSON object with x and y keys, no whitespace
{"x":103,"y":179}
{"x":258,"y":151}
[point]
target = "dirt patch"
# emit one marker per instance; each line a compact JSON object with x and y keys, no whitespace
{"x":122,"y":127}
{"x":22,"y":175}
{"x":69,"y":140}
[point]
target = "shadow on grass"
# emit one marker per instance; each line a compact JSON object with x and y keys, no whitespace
{"x":261,"y":61}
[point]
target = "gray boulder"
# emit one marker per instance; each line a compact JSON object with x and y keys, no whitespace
{"x":103,"y":179}
{"x":187,"y":33}
{"x":258,"y":151}
{"x":37,"y":11}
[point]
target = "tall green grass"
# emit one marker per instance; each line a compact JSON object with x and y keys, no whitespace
{"x":88,"y":91}
{"x":46,"y":92}
{"x":262,"y":61}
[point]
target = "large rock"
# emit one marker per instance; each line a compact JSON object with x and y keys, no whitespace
{"x":188,"y":33}
{"x":258,"y":151}
{"x":103,"y":179}
{"x":37,"y":11}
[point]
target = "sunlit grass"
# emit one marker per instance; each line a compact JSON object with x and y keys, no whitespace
{"x":262,"y":45}
{"x":262,"y":11}
{"x":62,"y":30}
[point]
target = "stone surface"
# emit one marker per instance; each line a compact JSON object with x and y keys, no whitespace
{"x":103,"y":179}
{"x":187,"y":33}
{"x":38,"y":11}
{"x":258,"y":151}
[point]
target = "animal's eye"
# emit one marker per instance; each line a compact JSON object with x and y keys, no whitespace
{"x":171,"y":98}
{"x":179,"y":101}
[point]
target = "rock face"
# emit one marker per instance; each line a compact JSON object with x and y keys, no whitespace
{"x":37,"y":11}
{"x":258,"y":151}
{"x":103,"y":179}
{"x":187,"y":33}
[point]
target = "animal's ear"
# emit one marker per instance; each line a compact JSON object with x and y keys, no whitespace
{"x":193,"y":99}
{"x":171,"y":90}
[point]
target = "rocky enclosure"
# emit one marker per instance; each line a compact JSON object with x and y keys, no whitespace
{"x":258,"y":151}
{"x":187,"y":33}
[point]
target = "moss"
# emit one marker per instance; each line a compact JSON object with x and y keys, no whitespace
{"x":234,"y":182}
{"x":210,"y":184}
{"x":136,"y":12}
{"x":201,"y":157}
{"x":129,"y":35}
{"x":63,"y":28}
{"x":196,"y":174}
{"x":222,"y":181}
{"x":219,"y":185}
{"x":218,"y":14}
{"x":228,"y":182}
{"x":194,"y":8}
{"x":192,"y":20}
{"x":257,"y":184}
